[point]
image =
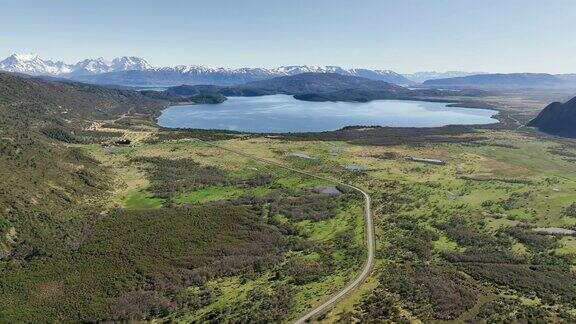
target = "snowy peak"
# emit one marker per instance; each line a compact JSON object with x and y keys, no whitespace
{"x":202,"y":70}
{"x":297,"y":69}
{"x":383,"y":75}
{"x":194,"y":69}
{"x":33,"y":64}
{"x":92,"y":66}
{"x":126,"y":63}
{"x":24,"y":57}
{"x":386,"y":72}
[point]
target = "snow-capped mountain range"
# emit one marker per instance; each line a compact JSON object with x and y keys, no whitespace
{"x":135,"y":71}
{"x":34,"y":65}
{"x":100,"y":65}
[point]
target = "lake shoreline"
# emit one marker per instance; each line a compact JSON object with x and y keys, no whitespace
{"x":278,"y":114}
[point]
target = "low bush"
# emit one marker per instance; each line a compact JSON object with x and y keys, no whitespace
{"x":430,"y":292}
{"x":134,"y":264}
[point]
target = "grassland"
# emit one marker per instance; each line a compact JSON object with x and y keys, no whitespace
{"x":318,"y":251}
{"x":209,"y":194}
{"x":428,"y":219}
{"x":141,"y":200}
{"x":501,"y":186}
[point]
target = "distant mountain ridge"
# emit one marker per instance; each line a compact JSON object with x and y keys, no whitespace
{"x":135,"y":71}
{"x":421,"y":77}
{"x":557,"y":119}
{"x":500,"y":81}
{"x":196,"y":74}
{"x":570,"y":77}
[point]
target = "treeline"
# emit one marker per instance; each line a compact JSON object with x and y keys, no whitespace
{"x":371,"y":135}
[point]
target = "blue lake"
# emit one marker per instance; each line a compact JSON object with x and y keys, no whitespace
{"x":282,"y":113}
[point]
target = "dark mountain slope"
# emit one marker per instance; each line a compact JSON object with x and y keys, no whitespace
{"x":192,"y":90}
{"x":308,"y":87}
{"x":305,"y":86}
{"x":336,"y":87}
{"x":500,"y":81}
{"x":71,"y":99}
{"x":557,"y":119}
{"x":201,"y":94}
{"x":307,"y":83}
{"x":171,"y":77}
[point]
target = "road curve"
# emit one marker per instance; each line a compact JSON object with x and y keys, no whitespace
{"x":369,"y":234}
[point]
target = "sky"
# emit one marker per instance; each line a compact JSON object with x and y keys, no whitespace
{"x":403,"y":35}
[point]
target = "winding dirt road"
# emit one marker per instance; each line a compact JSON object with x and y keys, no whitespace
{"x":369,"y":234}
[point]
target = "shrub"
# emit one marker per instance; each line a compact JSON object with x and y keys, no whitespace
{"x":59,"y":134}
{"x":430,"y":292}
{"x":571,"y":210}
